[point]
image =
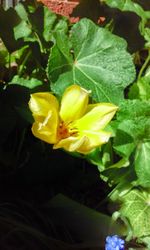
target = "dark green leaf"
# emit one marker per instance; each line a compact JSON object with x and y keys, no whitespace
{"x":8,"y":21}
{"x":123,"y":142}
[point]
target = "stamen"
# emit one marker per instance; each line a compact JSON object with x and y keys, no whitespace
{"x":65,"y":130}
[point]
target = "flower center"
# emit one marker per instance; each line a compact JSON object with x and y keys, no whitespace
{"x":65,"y":130}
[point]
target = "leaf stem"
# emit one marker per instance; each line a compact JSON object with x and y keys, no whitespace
{"x":24,"y":62}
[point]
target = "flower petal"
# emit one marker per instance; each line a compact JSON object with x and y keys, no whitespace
{"x":44,"y":107}
{"x":97,"y":118}
{"x":70,"y":144}
{"x":74,"y":103}
{"x":93,"y":140}
{"x":84,"y":143}
{"x":46,"y":128}
{"x":41,"y":103}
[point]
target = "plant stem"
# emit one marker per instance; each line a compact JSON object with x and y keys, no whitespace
{"x":24,"y":62}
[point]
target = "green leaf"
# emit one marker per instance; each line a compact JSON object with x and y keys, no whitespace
{"x":60,"y":59}
{"x":146,"y":33}
{"x":22,"y":30}
{"x":124,"y":143}
{"x":131,"y":109}
{"x":39,"y":26}
{"x":141,"y":89}
{"x":135,"y":207}
{"x":116,"y":173}
{"x":130,"y":134}
{"x":8,"y":20}
{"x":146,"y":240}
{"x":3,"y":54}
{"x":133,"y":136}
{"x":133,"y":121}
{"x":142,"y":164}
{"x":128,"y":5}
{"x":48,"y":22}
{"x":98,"y":61}
{"x":144,"y":88}
{"x":62,"y":83}
{"x":28,"y":83}
{"x":21,"y":11}
{"x":43,"y":22}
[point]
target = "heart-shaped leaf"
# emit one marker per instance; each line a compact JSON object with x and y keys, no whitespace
{"x":97,"y":60}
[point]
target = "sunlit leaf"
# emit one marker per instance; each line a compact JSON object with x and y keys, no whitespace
{"x":142,"y":164}
{"x":98,"y":61}
{"x":128,"y":5}
{"x":135,"y":207}
{"x":29,"y":83}
{"x":141,"y":88}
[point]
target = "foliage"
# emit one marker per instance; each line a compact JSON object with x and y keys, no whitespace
{"x":103,"y":67}
{"x":41,"y":51}
{"x":138,"y":201}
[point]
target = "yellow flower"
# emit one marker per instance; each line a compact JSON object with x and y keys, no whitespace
{"x":75,"y":125}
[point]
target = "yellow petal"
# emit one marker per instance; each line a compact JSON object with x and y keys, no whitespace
{"x":74,"y":103}
{"x":93,"y":140}
{"x":41,"y":103}
{"x":84,"y":143}
{"x":46,"y":128}
{"x":44,"y":107}
{"x":97,"y":118}
{"x":70,"y":144}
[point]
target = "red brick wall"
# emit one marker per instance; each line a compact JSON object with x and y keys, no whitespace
{"x":66,"y":7}
{"x":62,"y":7}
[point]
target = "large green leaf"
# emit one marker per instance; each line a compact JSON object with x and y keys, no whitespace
{"x":135,"y":207}
{"x":97,"y":60}
{"x":142,"y":164}
{"x":60,"y":60}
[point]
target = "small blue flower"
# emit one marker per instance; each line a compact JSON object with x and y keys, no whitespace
{"x":114,"y":243}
